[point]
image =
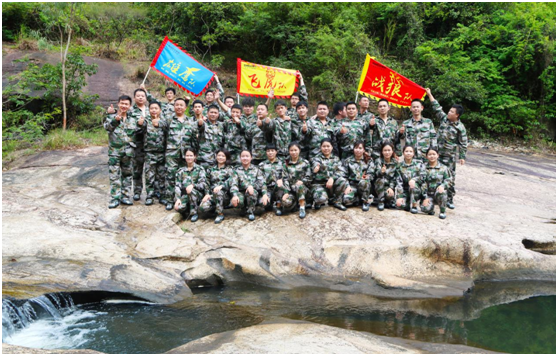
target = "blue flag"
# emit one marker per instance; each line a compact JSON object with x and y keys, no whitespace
{"x":181,"y":68}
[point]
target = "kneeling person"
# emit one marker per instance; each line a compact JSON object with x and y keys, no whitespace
{"x":190,"y":186}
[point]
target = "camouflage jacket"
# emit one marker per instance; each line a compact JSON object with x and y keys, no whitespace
{"x":211,"y":139}
{"x":122,"y":133}
{"x":154,"y":137}
{"x":316,"y":132}
{"x":297,"y":171}
{"x":296,"y":127}
{"x":412,"y":171}
{"x":291,"y":112}
{"x":380,"y":132}
{"x":252,"y":176}
{"x":436,"y":176}
{"x":168,"y":109}
{"x":419,"y":134}
{"x":259,"y":139}
{"x":184,"y":178}
{"x":136,"y":111}
{"x":224,"y":177}
{"x":281,"y":132}
{"x":392,"y":174}
{"x":182,"y":134}
{"x":273,"y":171}
{"x":357,"y":130}
{"x":366,"y":116}
{"x":329,"y":168}
{"x":353,"y":170}
{"x":451,"y":135}
{"x":235,"y":134}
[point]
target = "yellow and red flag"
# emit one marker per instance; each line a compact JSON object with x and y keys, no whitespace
{"x":380,"y":82}
{"x":256,"y":80}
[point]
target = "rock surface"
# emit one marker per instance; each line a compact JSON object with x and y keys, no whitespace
{"x":13,"y":349}
{"x":297,"y":337}
{"x":58,"y":235}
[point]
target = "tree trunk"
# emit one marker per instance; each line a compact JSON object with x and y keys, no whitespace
{"x":64,"y":111}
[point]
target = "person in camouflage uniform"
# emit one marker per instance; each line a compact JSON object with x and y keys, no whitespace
{"x":190,"y":186}
{"x":297,"y":125}
{"x":339,"y":116}
{"x":211,"y":96}
{"x":418,"y":131}
{"x":181,"y":133}
{"x":280,"y":130}
{"x":211,"y":137}
{"x":350,"y":130}
{"x":258,"y":136}
{"x":388,"y":176}
{"x":359,"y":174}
{"x":327,"y":181}
{"x":251,"y":185}
{"x":154,"y":132}
{"x":122,"y":130}
{"x":222,"y":183}
{"x":235,"y":132}
{"x":272,"y":170}
{"x":301,"y":95}
{"x":297,"y":175}
{"x":168,"y":107}
{"x":363,"y":113}
{"x":413,"y":174}
{"x":249,"y":118}
{"x":452,"y":136}
{"x":317,"y":129}
{"x":436,"y":184}
{"x":140,"y":110}
{"x":382,"y":129}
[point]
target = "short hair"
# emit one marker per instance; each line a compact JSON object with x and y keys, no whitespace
{"x":262,"y":104}
{"x":459,"y":109}
{"x":197,"y":101}
{"x":280,"y":103}
{"x":237,"y":106}
{"x":351,"y":103}
{"x":270,"y":146}
{"x":297,"y":95}
{"x":302,"y":103}
{"x":326,"y":140}
{"x":432,"y":149}
{"x":125,"y":97}
{"x":245,"y":150}
{"x":228,"y":97}
{"x":387,"y":102}
{"x":213,"y":106}
{"x":363,"y":97}
{"x":210,"y":90}
{"x":248,"y":102}
{"x":190,"y":149}
{"x":140,"y":89}
{"x":181,"y":99}
{"x":155,"y":102}
{"x":170,"y":89}
{"x":322,"y":103}
{"x":417,"y":100}
{"x":338,"y":107}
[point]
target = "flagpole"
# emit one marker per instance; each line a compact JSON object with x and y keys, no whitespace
{"x":237,"y":98}
{"x":356,"y":96}
{"x":146,"y":74}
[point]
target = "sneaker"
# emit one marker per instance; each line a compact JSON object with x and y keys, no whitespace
{"x":126,"y":202}
{"x":380,"y":206}
{"x":251,"y":217}
{"x":450,"y":206}
{"x":113,"y":204}
{"x":431,"y":213}
{"x":442,"y":216}
{"x":169,"y":206}
{"x":194,"y":218}
{"x":136,"y":197}
{"x":317,"y":206}
{"x":340,"y":206}
{"x":278,"y":212}
{"x":149,"y":201}
{"x":219,"y":219}
{"x":414,"y":211}
{"x":163,"y":201}
{"x":302,"y":213}
{"x":365,"y":207}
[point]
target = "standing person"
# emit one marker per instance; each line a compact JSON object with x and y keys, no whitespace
{"x":154,"y":132}
{"x":122,"y":130}
{"x":279,"y":129}
{"x":359,"y":173}
{"x":181,"y":133}
{"x":363,"y":113}
{"x":350,"y":130}
{"x":413,"y":175}
{"x":190,"y":185}
{"x":328,"y":181}
{"x":301,"y":95}
{"x":297,"y":177}
{"x":251,"y":185}
{"x":388,"y":178}
{"x":168,"y":107}
{"x":382,"y":129}
{"x":272,"y":170}
{"x":222,"y":184}
{"x":257,"y":136}
{"x":317,"y":129}
{"x":297,"y":125}
{"x":452,"y":136}
{"x":437,"y":181}
{"x":235,"y":132}
{"x":141,"y":111}
{"x":418,"y":131}
{"x":211,"y":137}
{"x":339,"y":116}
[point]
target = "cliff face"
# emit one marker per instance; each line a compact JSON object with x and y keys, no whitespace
{"x":58,"y":235}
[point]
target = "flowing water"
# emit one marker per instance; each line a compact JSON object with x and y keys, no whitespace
{"x":482,"y":319}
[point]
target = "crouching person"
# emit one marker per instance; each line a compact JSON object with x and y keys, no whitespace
{"x":437,"y":181}
{"x":190,"y":186}
{"x":297,"y":177}
{"x":251,"y":185}
{"x":412,"y":176}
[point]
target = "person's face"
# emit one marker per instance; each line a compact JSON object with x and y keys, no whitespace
{"x":140,"y":98}
{"x":383,"y":108}
{"x":190,"y":157}
{"x":154,"y":110}
{"x":343,"y":113}
{"x":352,"y":111}
{"x":221,"y":158}
{"x":294,"y":100}
{"x":280,"y":110}
{"x":302,"y":111}
{"x":326,"y":148}
{"x":169,"y":95}
{"x":261,"y":111}
{"x":124,"y":105}
{"x":213,"y":114}
{"x":358,"y":151}
{"x":408,"y":154}
{"x":245,"y":158}
{"x":271,"y":154}
{"x":432,"y":156}
{"x":248,"y":110}
{"x":364,"y":102}
{"x":198,"y":109}
{"x":416,"y":108}
{"x":387,"y":152}
{"x":294,"y":152}
{"x":209,"y":97}
{"x":235,"y":113}
{"x":322,"y":111}
{"x":229,"y":102}
{"x":179,"y":107}
{"x":452,"y":114}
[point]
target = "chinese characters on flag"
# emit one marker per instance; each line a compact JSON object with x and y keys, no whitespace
{"x":257,"y":80}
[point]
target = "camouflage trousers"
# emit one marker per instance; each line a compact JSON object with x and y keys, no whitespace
{"x":139,"y":159}
{"x":154,"y":173}
{"x":410,"y":197}
{"x":217,"y":202}
{"x":274,"y":195}
{"x":382,"y":185}
{"x":235,"y":158}
{"x":360,"y":191}
{"x":120,"y":176}
{"x":320,"y":194}
{"x":449,"y":161}
{"x":296,"y":195}
{"x":190,"y":202}
{"x":173,"y":162}
{"x":248,"y":201}
{"x":434,"y":197}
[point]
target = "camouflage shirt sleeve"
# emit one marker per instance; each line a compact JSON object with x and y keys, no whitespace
{"x":462,"y":141}
{"x":111,"y":123}
{"x":440,"y":114}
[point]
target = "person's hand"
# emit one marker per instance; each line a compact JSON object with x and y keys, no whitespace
{"x":250,"y":190}
{"x":271,"y":93}
{"x":299,"y":183}
{"x":235,"y":201}
{"x":402,"y":129}
{"x":206,"y":198}
{"x":217,"y":78}
{"x":142,"y":86}
{"x":265,"y":200}
{"x":280,"y":183}
{"x":390,"y":192}
{"x":189,"y":189}
{"x":440,"y":189}
{"x":344,"y":130}
{"x":426,"y":202}
{"x":267,"y":120}
{"x":200,"y":122}
{"x":141,"y":121}
{"x":399,"y":202}
{"x":259,"y":122}
{"x":118,"y":117}
{"x":285,"y":197}
{"x":177,"y":204}
{"x":373,"y":120}
{"x":348,"y":190}
{"x":428,"y":91}
{"x":462,"y":162}
{"x":187,"y":98}
{"x":412,"y":184}
{"x":304,"y":127}
{"x":287,"y":118}
{"x":317,"y":169}
{"x":384,"y":169}
{"x":217,"y":189}
{"x":329,"y":183}
{"x":217,"y":94}
{"x":236,"y":120}
{"x":110,"y":109}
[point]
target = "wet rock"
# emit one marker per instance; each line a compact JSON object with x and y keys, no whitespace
{"x":13,"y":349}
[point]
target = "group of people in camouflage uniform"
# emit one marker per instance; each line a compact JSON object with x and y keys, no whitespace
{"x":223,"y":155}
